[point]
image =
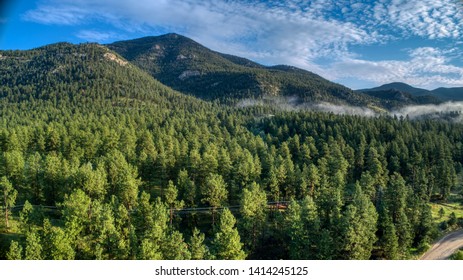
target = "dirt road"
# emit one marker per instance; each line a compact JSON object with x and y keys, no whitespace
{"x":445,"y":247}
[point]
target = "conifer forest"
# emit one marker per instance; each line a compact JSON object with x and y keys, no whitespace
{"x":100,"y":160}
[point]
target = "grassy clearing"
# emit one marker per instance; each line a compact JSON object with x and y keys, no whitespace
{"x":442,"y":212}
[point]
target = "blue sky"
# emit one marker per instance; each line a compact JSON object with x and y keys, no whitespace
{"x":358,"y":43}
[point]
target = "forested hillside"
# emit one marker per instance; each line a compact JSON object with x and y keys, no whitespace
{"x":421,"y":95}
{"x":393,"y":99}
{"x":189,"y":67}
{"x":101,"y":161}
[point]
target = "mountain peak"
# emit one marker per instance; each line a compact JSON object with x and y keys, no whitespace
{"x":399,"y":86}
{"x":192,"y":68}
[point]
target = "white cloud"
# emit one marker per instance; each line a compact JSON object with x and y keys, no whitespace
{"x":292,"y":103}
{"x":426,"y":18}
{"x":426,"y":67}
{"x":420,"y":110}
{"x":64,"y":15}
{"x":96,"y":36}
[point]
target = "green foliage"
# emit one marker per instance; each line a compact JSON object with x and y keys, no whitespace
{"x":457,"y":256}
{"x":15,"y":252}
{"x":171,"y":195}
{"x":253,"y":210}
{"x":175,"y":248}
{"x":358,"y":227}
{"x":25,"y":217}
{"x":214,"y":192}
{"x":303,"y":229}
{"x":227,"y":242}
{"x":33,"y":246}
{"x":9,"y":195}
{"x":198,"y":249}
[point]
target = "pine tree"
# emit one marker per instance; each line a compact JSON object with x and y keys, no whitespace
{"x":253,"y":210}
{"x":33,"y":174}
{"x":297,"y":236}
{"x":198,"y":249}
{"x":155,"y":229}
{"x":187,"y":188}
{"x":227,"y":242}
{"x":389,"y":241}
{"x":92,"y":181}
{"x":214,"y":192}
{"x":358,"y":227}
{"x":396,"y":199}
{"x":171,"y":194}
{"x":9,"y":197}
{"x":60,"y":243}
{"x":122,"y":179}
{"x":33,"y":246}
{"x":15,"y":252}
{"x":175,"y":248}
{"x":25,"y":217}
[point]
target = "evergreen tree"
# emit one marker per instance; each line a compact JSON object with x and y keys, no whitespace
{"x":9,"y":195}
{"x":198,"y":249}
{"x":187,"y":188}
{"x":171,"y":194}
{"x":214,"y":192}
{"x":358,"y":227}
{"x":33,"y":174}
{"x":253,"y":211}
{"x":175,"y":248}
{"x":33,"y":246}
{"x":15,"y":252}
{"x":122,"y":178}
{"x":25,"y":217}
{"x":227,"y":242}
{"x":396,"y":199}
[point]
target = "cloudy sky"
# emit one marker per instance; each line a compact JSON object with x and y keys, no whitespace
{"x":358,"y":43}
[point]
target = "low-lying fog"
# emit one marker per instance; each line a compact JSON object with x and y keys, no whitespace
{"x":413,"y":111}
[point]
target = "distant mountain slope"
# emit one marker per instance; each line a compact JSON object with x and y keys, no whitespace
{"x":189,"y":67}
{"x":402,"y":87}
{"x":80,"y":74}
{"x":449,"y":94}
{"x":392,"y":98}
{"x":390,"y":91}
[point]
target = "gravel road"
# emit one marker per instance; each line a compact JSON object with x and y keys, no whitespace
{"x":445,"y":247}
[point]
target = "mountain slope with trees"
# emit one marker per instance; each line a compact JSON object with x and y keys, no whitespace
{"x":189,"y":67}
{"x":422,"y":96}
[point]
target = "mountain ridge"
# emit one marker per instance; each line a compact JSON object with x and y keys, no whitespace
{"x":399,"y":86}
{"x":189,"y":67}
{"x":441,"y":93}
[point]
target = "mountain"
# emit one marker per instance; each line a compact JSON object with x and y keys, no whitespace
{"x":191,"y":68}
{"x":80,"y":74}
{"x":420,"y":96}
{"x":402,"y":87}
{"x":392,"y":98}
{"x":449,"y":94}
